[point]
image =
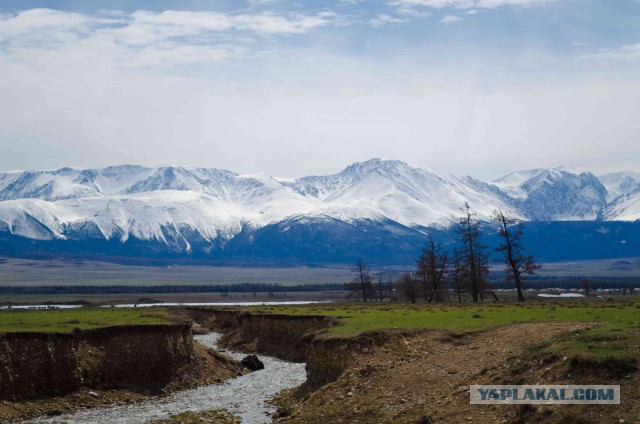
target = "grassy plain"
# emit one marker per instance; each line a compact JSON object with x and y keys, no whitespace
{"x":66,"y":320}
{"x":614,"y":336}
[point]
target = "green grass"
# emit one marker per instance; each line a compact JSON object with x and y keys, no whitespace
{"x":66,"y":320}
{"x":452,"y":317}
{"x":615,"y":337}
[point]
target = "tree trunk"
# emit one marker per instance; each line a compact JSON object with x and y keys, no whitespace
{"x":518,"y":287}
{"x":512,"y":262}
{"x":472,"y":260}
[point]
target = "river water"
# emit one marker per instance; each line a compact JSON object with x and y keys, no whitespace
{"x":245,"y":396}
{"x":164,"y":304}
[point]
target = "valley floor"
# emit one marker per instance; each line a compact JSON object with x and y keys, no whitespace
{"x":413,"y":363}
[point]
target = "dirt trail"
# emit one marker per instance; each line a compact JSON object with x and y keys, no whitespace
{"x":425,"y":378}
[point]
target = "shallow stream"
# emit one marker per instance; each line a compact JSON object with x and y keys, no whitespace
{"x":245,"y":396}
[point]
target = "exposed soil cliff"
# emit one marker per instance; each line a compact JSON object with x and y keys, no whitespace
{"x":328,"y":358}
{"x":54,"y":373}
{"x":284,"y":336}
{"x":34,"y":365}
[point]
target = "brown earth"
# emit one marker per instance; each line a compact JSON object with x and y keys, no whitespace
{"x":284,"y":336}
{"x":208,"y":367}
{"x":36,"y":365}
{"x":424,"y":377}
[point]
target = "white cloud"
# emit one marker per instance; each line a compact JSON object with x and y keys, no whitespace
{"x":436,"y":4}
{"x":493,"y":4}
{"x":146,"y":38}
{"x":626,"y":52}
{"x":38,"y":27}
{"x":416,"y":7}
{"x":451,"y":19}
{"x":269,"y":23}
{"x":385,"y":19}
{"x":409,"y":11}
{"x":466,"y":4}
{"x":263,"y":2}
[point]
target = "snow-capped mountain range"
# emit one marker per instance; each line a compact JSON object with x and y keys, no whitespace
{"x":206,"y":208}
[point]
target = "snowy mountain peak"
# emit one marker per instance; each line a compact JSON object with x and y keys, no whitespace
{"x":162,"y":203}
{"x":180,"y":206}
{"x":377,"y":165}
{"x":564,"y":168}
{"x":556,"y":193}
{"x":619,"y":183}
{"x":166,"y":178}
{"x":626,"y":205}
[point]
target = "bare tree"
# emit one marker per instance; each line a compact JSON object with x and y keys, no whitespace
{"x":511,"y":230}
{"x":422,"y":275}
{"x":390,"y":285}
{"x":482,"y":271}
{"x":408,"y":286}
{"x":457,"y":273}
{"x":380,"y":289}
{"x":372,"y":295}
{"x":469,"y":236}
{"x":586,"y":286}
{"x":361,"y":283}
{"x":431,"y":267}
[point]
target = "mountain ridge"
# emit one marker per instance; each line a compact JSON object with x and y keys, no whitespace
{"x":209,"y":209}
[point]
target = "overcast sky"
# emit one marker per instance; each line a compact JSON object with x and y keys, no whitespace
{"x":292,"y":88}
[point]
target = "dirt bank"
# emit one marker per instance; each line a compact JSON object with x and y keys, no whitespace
{"x":51,"y":373}
{"x":35,"y":365}
{"x":284,"y":336}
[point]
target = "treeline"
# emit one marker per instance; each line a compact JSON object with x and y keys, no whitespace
{"x":461,"y":270}
{"x":225,"y":288}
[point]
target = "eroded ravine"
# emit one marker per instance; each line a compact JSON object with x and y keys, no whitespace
{"x":245,"y":396}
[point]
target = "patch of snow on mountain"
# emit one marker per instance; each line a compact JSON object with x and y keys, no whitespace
{"x":619,"y":183}
{"x":512,"y":183}
{"x":555,"y":194}
{"x":625,"y":207}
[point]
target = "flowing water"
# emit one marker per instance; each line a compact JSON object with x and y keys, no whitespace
{"x":245,"y":396}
